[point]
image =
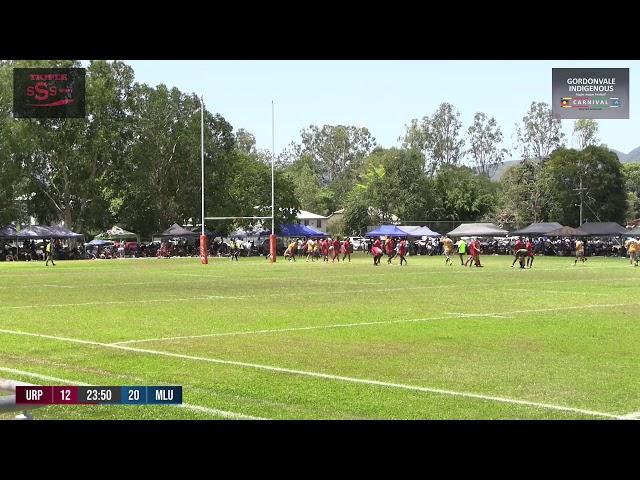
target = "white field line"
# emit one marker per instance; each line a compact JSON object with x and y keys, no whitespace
{"x":219,"y":413}
{"x":114,"y":284}
{"x":422,"y":270}
{"x":220,"y":297}
{"x":225,"y":297}
{"x":336,"y":280}
{"x":533,"y":290}
{"x":126,"y":302}
{"x":188,"y":406}
{"x":472,"y":315}
{"x":556,"y":309}
{"x":196,"y":275}
{"x":276,"y":330}
{"x":285,"y":278}
{"x":631,"y":416}
{"x":42,"y":377}
{"x":327,"y":376}
{"x":508,"y":314}
{"x":530,"y":284}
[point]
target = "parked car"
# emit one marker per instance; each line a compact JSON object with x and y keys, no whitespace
{"x":356,"y":243}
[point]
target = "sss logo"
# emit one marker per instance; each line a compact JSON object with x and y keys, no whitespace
{"x":49,"y":93}
{"x":42,"y":91}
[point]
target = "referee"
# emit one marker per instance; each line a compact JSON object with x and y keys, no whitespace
{"x":49,"y":253}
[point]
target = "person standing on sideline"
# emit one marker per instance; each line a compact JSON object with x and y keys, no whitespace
{"x":402,"y":251}
{"x":462,"y":250}
{"x":579,"y":252}
{"x":336,"y":249}
{"x":49,"y":253}
{"x":235,"y":252}
{"x":447,"y":248}
{"x":232,"y":249}
{"x":346,"y":249}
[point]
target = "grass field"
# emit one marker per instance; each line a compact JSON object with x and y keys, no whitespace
{"x":337,"y":341}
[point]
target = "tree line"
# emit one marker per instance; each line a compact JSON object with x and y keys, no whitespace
{"x":438,"y":173}
{"x":135,"y":161}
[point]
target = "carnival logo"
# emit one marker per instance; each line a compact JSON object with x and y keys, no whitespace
{"x":590,"y":93}
{"x":49,"y":93}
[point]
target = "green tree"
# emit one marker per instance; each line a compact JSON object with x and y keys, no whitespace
{"x":312,"y":196}
{"x":356,"y":214}
{"x":245,"y":141}
{"x":416,"y":137}
{"x":250,"y":187}
{"x":585,"y":131}
{"x":540,"y":133}
{"x":393,"y":183}
{"x":437,"y":138}
{"x":46,"y":152}
{"x":336,"y":150}
{"x":631,"y":172}
{"x":602,"y":177}
{"x":64,"y":163}
{"x":160,"y":183}
{"x":485,"y":137}
{"x":460,"y":194}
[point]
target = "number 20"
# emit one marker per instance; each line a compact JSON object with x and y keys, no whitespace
{"x":134,"y":394}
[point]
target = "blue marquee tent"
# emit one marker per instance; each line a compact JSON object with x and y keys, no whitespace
{"x":417,"y":231}
{"x":297,"y":230}
{"x":387,"y":230}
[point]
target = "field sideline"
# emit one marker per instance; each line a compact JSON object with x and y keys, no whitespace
{"x":253,"y":340}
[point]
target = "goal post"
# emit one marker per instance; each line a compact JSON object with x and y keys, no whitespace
{"x":204,"y":247}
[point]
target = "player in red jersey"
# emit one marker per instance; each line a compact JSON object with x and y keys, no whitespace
{"x":376,"y":251}
{"x":476,"y":257}
{"x":346,"y":249}
{"x":529,"y":247}
{"x":474,"y":253}
{"x":336,"y":250}
{"x":325,"y":250}
{"x":390,"y":249}
{"x":519,"y":246}
{"x":402,"y":251}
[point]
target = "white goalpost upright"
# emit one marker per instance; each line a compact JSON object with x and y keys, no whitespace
{"x":204,"y":247}
{"x":272,"y":237}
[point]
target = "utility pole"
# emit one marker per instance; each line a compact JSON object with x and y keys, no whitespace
{"x":580,"y":190}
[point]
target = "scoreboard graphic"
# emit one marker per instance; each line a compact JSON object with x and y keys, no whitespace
{"x":74,"y":395}
{"x":590,"y":93}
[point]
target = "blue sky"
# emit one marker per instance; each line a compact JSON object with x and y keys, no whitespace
{"x":380,"y":95}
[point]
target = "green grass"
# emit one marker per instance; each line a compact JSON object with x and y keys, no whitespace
{"x":557,"y":334}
